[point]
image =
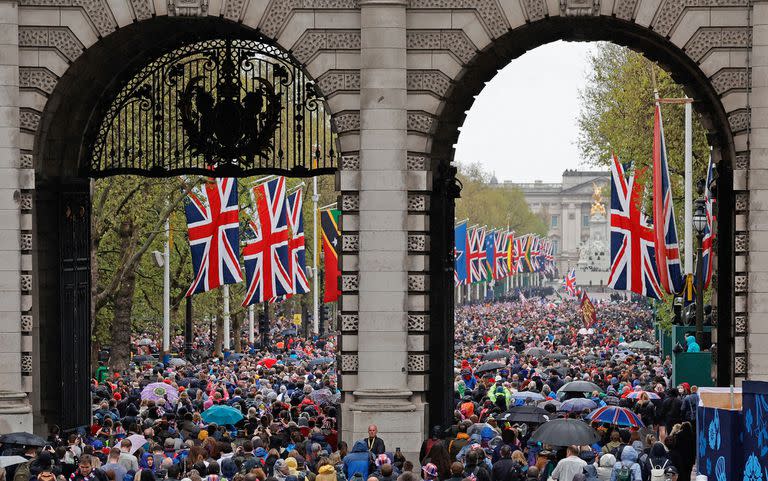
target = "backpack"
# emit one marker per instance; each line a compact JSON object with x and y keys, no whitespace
{"x":590,"y":472}
{"x":516,"y":473}
{"x":22,"y":472}
{"x":624,"y":473}
{"x":657,"y":472}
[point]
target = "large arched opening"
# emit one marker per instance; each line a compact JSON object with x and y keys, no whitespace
{"x":452,"y":112}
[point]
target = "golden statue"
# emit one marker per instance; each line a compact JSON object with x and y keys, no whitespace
{"x":597,"y":201}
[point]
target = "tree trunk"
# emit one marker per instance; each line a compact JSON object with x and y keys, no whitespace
{"x":237,"y":324}
{"x":121,"y":325}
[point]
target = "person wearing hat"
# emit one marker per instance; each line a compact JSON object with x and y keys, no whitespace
{"x":429,"y":472}
{"x":326,"y":472}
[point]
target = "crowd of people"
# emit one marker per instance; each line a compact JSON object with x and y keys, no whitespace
{"x":156,"y":421}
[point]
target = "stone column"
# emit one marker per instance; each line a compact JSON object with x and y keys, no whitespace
{"x":15,"y":411}
{"x":757,"y":307}
{"x":382,"y":396}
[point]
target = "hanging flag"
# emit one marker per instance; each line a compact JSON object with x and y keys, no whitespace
{"x":460,"y":254}
{"x":329,"y":221}
{"x":569,"y":282}
{"x":511,"y":257}
{"x":298,"y":256}
{"x":518,"y":255}
{"x":709,"y":234}
{"x":266,"y":254}
{"x":633,"y":260}
{"x":489,"y":247}
{"x":667,"y":248}
{"x":500,"y":256}
{"x":213,"y":226}
{"x":476,"y":256}
{"x":588,"y":312}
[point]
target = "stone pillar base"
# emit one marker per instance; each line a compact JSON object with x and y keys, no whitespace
{"x":15,"y":412}
{"x":399,"y":415}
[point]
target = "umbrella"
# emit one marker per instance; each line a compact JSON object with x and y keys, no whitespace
{"x":583,"y":331}
{"x":177,"y":361}
{"x":22,"y":439}
{"x":490,"y":366}
{"x":160,"y":391}
{"x":591,"y":357}
{"x":526,"y":395}
{"x":580,"y":386}
{"x":137,"y":441}
{"x":565,"y":432}
{"x":616,"y":416}
{"x":321,"y":396}
{"x":143,"y":358}
{"x":636,"y":395}
{"x":577,"y":405}
{"x":536,"y":352}
{"x":642,"y":345}
{"x":6,"y":461}
{"x":496,"y":355}
{"x":145,"y":342}
{"x":319,"y":360}
{"x":557,"y":356}
{"x":267,"y":361}
{"x":222,"y":415}
{"x":524,"y":414}
{"x":553,"y":402}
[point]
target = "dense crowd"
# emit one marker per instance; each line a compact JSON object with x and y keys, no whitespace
{"x":271,"y":413}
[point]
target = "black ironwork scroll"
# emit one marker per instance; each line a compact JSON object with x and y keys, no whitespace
{"x":224,"y":107}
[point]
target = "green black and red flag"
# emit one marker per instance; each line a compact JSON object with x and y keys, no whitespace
{"x":329,"y":221}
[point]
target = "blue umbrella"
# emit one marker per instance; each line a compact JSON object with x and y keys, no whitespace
{"x":526,"y":395}
{"x":578,"y":405}
{"x":617,"y":416}
{"x":222,"y":415}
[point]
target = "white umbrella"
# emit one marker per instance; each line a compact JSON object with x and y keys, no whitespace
{"x":137,"y":441}
{"x":145,"y":342}
{"x":6,"y":461}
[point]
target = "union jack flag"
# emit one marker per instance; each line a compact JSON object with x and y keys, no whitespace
{"x":518,"y":253}
{"x":297,"y":259}
{"x":500,"y":256}
{"x":569,"y":282}
{"x":709,"y":234}
{"x":212,"y":222}
{"x":633,"y":257}
{"x":533,"y":250}
{"x":459,"y":254}
{"x":266,"y":254}
{"x":476,"y":255}
{"x":667,"y":248}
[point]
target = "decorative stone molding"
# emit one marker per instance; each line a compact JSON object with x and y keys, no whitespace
{"x":454,"y":41}
{"x":350,"y":282}
{"x":417,"y":242}
{"x":38,"y":78}
{"x":26,"y":282}
{"x":349,"y":363}
{"x":741,"y":243}
{"x":350,"y":242}
{"x":313,"y":41}
{"x":741,"y":161}
{"x":279,"y":11}
{"x":26,"y":161}
{"x":670,"y":11}
{"x":59,"y":38}
{"x":142,"y":9}
{"x":346,"y":122}
{"x":350,"y":202}
{"x":417,"y":282}
{"x":421,"y":122}
{"x":187,"y":8}
{"x":418,"y":363}
{"x":740,"y":365}
{"x":740,"y":325}
{"x":25,"y":242}
{"x":488,"y":10}
{"x":417,"y":322}
{"x":349,"y":322}
{"x":26,"y":324}
{"x":97,"y":11}
{"x":707,"y":38}
{"x":339,"y":80}
{"x":432,"y":81}
{"x":742,"y":201}
{"x":416,"y":162}
{"x":417,"y":202}
{"x":233,"y":9}
{"x":740,"y":283}
{"x":535,"y":9}
{"x":26,"y":364}
{"x":739,"y":120}
{"x":730,"y":79}
{"x":25,"y":201}
{"x":29,"y":119}
{"x":625,"y":9}
{"x":579,"y":8}
{"x":350,"y":162}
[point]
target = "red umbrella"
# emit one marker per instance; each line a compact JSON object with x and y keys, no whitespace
{"x":268,"y":361}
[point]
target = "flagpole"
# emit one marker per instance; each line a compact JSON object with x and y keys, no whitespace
{"x":688,"y":189}
{"x":251,"y":337}
{"x":167,"y":289}
{"x":226,"y":317}
{"x":315,"y":276}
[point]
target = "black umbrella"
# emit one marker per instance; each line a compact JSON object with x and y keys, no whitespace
{"x":565,"y":432}
{"x":580,"y":387}
{"x":490,"y":366}
{"x":496,"y":355}
{"x":524,"y":414}
{"x":22,"y":439}
{"x":536,"y":352}
{"x":557,"y":356}
{"x":143,"y":358}
{"x":319,"y":360}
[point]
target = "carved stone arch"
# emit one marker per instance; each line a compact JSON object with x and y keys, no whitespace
{"x":484,"y":65}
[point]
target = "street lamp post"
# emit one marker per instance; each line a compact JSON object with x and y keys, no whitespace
{"x":699,"y":224}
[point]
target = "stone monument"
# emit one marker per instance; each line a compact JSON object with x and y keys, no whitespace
{"x":594,"y":254}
